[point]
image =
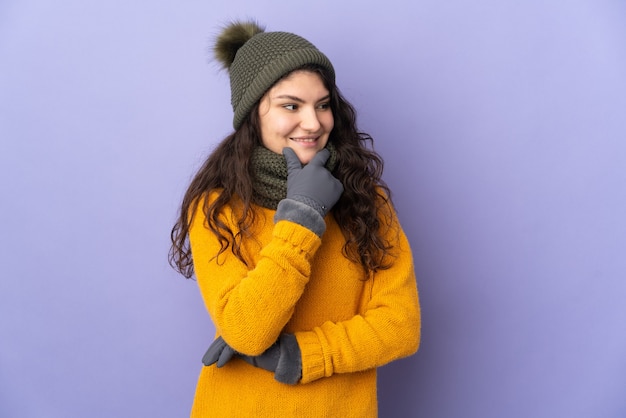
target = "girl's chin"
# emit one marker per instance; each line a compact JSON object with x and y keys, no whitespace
{"x":305,"y":156}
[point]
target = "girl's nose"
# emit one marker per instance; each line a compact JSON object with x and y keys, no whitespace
{"x":310,"y":121}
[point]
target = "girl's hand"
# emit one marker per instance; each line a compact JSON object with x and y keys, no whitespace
{"x":312,"y":184}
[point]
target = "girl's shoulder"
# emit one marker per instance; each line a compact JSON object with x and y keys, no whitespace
{"x":208,"y":198}
{"x":229,"y":211}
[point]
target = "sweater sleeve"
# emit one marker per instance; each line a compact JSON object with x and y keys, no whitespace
{"x":387,"y":329}
{"x":250,"y":307}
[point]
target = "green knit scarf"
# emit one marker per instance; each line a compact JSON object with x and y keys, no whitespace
{"x":270,"y":175}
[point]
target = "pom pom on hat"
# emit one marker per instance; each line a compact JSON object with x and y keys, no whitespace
{"x":233,"y":37}
{"x":256,"y":60}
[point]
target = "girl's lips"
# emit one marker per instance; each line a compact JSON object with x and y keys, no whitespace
{"x":304,"y":139}
{"x":306,"y":142}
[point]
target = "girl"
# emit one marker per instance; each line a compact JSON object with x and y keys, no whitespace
{"x":291,"y":234}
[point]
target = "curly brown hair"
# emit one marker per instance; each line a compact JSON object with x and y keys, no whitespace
{"x":363,"y":212}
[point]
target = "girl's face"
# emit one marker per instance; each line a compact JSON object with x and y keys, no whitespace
{"x":296,"y":113}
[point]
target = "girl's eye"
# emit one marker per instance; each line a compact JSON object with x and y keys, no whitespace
{"x":290,"y":106}
{"x":324,"y":106}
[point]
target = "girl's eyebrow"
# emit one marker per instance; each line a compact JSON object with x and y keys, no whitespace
{"x":299,"y":100}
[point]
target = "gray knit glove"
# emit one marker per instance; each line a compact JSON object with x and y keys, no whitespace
{"x":312,"y":191}
{"x":283,"y":358}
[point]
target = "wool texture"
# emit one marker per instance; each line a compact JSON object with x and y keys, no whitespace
{"x":298,"y":283}
{"x":269,"y":174}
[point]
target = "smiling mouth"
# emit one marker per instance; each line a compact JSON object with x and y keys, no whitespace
{"x":307,"y":140}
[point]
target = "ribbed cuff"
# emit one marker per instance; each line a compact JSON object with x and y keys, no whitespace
{"x":312,"y":356}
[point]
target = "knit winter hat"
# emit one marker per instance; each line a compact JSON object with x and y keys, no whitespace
{"x":256,"y":60}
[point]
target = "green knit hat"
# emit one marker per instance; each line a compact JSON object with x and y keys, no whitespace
{"x":256,"y":60}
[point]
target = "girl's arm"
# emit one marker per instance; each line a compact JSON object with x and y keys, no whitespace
{"x":387,"y":329}
{"x":250,"y":308}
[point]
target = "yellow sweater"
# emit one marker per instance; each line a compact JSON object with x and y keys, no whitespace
{"x":298,"y":283}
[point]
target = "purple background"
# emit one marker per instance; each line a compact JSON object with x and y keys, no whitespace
{"x":503,"y":125}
